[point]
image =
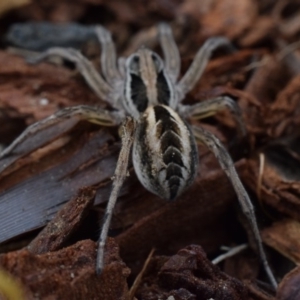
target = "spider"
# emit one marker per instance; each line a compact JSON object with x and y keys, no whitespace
{"x":146,"y":99}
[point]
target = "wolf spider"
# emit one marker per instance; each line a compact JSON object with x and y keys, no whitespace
{"x":146,"y":99}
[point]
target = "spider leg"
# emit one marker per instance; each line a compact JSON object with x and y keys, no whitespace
{"x":108,"y":56}
{"x":127,"y":135}
{"x":101,"y":88}
{"x":47,"y":130}
{"x":193,"y":74}
{"x":170,"y":50}
{"x":211,"y":107}
{"x":227,"y":165}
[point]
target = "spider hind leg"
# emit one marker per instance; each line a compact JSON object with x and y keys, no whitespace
{"x":227,"y":165}
{"x":127,"y":135}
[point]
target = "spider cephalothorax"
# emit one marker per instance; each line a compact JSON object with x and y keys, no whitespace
{"x":146,"y":98}
{"x":146,"y":83}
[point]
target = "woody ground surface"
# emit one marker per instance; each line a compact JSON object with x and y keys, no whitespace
{"x":58,"y":182}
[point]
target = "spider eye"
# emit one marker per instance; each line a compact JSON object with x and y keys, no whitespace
{"x":157,"y":62}
{"x":134,"y":64}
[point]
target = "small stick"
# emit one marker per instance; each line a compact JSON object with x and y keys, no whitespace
{"x":260,"y":175}
{"x":138,"y":278}
{"x":233,"y":251}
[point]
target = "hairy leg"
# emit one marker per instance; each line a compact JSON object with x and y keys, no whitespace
{"x":108,"y":55}
{"x":170,"y":50}
{"x":227,"y":165}
{"x":193,"y":74}
{"x":47,"y":130}
{"x":127,"y":136}
{"x":210,"y":107}
{"x":100,"y":87}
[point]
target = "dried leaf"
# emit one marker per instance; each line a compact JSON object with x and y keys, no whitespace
{"x":289,"y":286}
{"x":284,"y":236}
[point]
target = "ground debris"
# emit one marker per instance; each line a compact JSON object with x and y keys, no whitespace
{"x":65,"y":222}
{"x":261,"y":74}
{"x":284,"y":236}
{"x":69,"y":273}
{"x":289,"y":286}
{"x":189,"y":275}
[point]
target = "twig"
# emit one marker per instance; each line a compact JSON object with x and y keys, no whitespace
{"x":138,"y":278}
{"x":285,"y":51}
{"x":233,"y":251}
{"x":260,"y":175}
{"x":288,"y":49}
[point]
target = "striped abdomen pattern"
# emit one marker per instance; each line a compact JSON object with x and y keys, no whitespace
{"x":165,"y":154}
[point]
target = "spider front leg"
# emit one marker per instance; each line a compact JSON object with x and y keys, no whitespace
{"x":127,"y":136}
{"x":49,"y":129}
{"x":227,"y":165}
{"x":193,"y":74}
{"x":170,"y":50}
{"x":108,"y":55}
{"x":210,"y":107}
{"x":101,"y":88}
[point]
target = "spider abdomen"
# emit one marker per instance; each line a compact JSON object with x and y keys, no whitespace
{"x":165,"y":154}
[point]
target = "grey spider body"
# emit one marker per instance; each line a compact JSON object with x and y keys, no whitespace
{"x":146,"y":96}
{"x":165,"y":156}
{"x":164,"y":149}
